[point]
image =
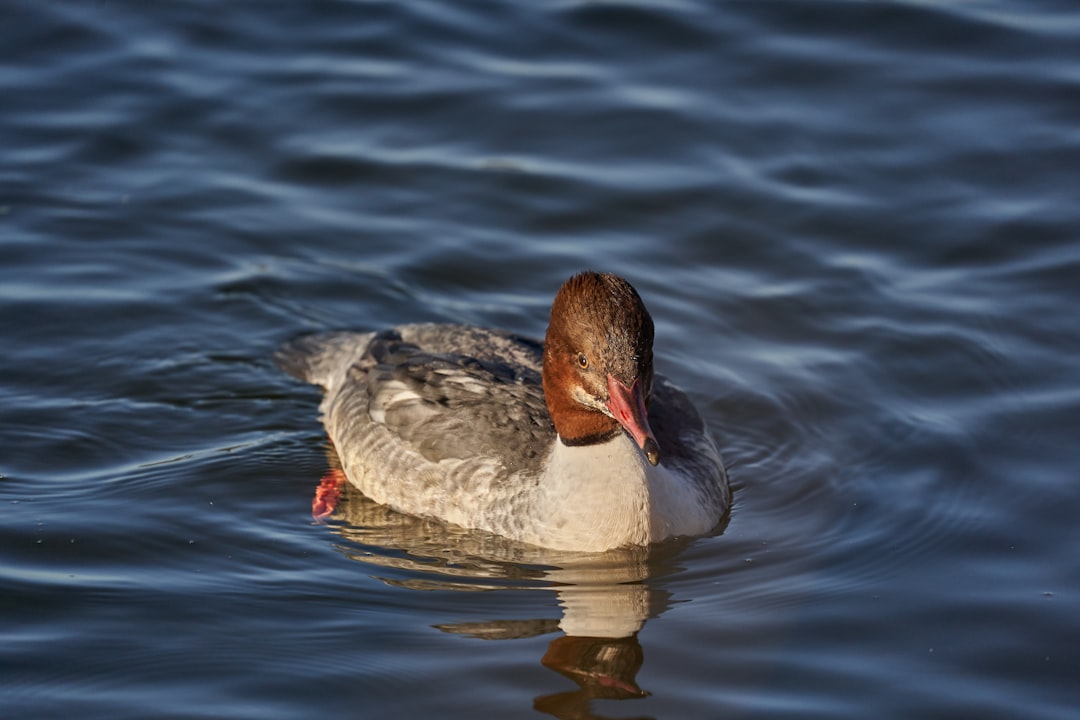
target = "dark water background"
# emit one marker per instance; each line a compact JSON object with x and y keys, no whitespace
{"x":855,"y":223}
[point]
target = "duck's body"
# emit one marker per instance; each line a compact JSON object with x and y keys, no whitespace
{"x":454,"y":422}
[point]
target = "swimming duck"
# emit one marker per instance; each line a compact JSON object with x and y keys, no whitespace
{"x":572,"y":444}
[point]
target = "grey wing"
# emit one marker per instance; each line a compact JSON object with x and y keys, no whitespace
{"x":685,"y":440}
{"x":450,"y":405}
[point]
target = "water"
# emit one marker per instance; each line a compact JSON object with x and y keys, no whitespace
{"x":854,"y":224}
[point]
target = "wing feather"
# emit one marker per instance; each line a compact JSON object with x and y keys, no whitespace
{"x":455,"y":405}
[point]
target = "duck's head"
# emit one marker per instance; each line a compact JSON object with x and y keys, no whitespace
{"x":598,"y":362}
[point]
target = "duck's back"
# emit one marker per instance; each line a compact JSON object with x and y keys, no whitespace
{"x":440,"y":420}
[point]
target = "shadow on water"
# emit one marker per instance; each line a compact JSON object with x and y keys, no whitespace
{"x":604,"y":599}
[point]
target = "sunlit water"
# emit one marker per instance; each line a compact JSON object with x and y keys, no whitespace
{"x":855,"y":224}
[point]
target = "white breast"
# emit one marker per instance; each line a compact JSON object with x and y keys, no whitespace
{"x":596,"y":497}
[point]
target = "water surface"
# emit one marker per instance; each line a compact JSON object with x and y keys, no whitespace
{"x":853,"y":222}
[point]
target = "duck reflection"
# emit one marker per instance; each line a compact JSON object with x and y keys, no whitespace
{"x":605,"y":598}
{"x":603,"y":668}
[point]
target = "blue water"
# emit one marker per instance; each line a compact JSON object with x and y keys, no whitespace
{"x":854,"y":223}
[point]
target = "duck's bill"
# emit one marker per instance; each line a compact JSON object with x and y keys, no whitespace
{"x":627,"y":406}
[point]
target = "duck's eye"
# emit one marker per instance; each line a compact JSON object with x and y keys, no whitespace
{"x":582,"y":361}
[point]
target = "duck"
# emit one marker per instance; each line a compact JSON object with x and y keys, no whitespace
{"x":573,"y":443}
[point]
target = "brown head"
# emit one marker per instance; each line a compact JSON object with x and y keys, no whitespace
{"x":598,"y":362}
